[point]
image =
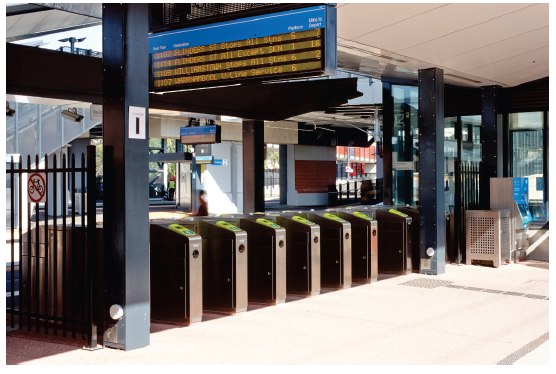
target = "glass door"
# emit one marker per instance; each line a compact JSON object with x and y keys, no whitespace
{"x":527,"y":158}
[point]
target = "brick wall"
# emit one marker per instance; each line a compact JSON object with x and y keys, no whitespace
{"x":314,"y":176}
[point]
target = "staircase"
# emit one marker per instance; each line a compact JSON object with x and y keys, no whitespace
{"x":40,"y":129}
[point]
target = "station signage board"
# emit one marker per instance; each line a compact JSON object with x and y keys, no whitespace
{"x":200,"y":135}
{"x":276,"y":46}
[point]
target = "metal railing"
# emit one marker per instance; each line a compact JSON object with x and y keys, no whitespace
{"x":348,"y":192}
{"x":468,"y":176}
{"x":57,"y":283}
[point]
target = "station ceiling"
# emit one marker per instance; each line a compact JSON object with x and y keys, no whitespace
{"x":476,"y":44}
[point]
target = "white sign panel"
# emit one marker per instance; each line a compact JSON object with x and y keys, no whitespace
{"x":137,"y":123}
{"x":36,"y":187}
{"x":96,"y":112}
{"x":404,"y":165}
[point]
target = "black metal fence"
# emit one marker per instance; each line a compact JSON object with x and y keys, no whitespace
{"x":367,"y":191}
{"x":57,"y":251}
{"x":468,"y":176}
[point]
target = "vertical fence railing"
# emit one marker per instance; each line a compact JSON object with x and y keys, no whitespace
{"x":468,"y":175}
{"x":48,"y":266}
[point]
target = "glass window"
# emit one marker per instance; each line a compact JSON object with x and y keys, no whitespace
{"x":405,"y":147}
{"x":526,"y":143}
{"x":471,"y":139}
{"x":450,"y":158}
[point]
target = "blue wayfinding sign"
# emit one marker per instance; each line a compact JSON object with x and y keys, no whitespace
{"x":521,"y":187}
{"x":245,"y":28}
{"x":218,"y":162}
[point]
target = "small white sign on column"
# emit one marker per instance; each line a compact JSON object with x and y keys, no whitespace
{"x":137,"y":122}
{"x":96,"y":112}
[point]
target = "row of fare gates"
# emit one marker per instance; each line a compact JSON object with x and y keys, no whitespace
{"x":220,"y":264}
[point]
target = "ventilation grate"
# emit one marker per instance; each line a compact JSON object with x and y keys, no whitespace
{"x":426,"y":283}
{"x":167,"y":14}
{"x":482,"y":235}
{"x":505,"y":249}
{"x":509,"y":360}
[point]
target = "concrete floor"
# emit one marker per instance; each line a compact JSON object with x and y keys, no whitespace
{"x":383,"y":323}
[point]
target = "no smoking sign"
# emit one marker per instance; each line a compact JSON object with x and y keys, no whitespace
{"x":36,"y":187}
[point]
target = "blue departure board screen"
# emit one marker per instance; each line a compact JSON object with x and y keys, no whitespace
{"x":283,"y":45}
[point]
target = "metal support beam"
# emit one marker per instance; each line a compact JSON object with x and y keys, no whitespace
{"x":431,"y":171}
{"x":126,"y":200}
{"x":253,"y":166}
{"x":491,"y":129}
{"x":387,"y":130}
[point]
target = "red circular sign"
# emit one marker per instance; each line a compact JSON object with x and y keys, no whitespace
{"x":36,"y":187}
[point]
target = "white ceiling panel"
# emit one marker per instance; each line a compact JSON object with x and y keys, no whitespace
{"x":434,"y":24}
{"x":26,"y":23}
{"x":10,"y":21}
{"x":501,"y":28}
{"x":513,"y":64}
{"x":498,"y":51}
{"x":50,"y":22}
{"x":357,"y":19}
{"x":72,"y":19}
{"x":526,"y":75}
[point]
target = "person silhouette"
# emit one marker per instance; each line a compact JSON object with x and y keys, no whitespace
{"x":203,"y":210}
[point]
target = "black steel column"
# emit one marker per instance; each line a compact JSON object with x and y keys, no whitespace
{"x":387,"y":130}
{"x":490,"y":124}
{"x":283,"y":154}
{"x":431,"y":171}
{"x":126,"y":207}
{"x":253,"y":166}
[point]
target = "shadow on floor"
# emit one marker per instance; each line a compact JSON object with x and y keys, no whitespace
{"x":535,"y":264}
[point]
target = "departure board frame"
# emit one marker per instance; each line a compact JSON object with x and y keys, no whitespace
{"x":275,"y":46}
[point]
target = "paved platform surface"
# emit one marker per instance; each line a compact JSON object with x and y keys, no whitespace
{"x":465,"y":316}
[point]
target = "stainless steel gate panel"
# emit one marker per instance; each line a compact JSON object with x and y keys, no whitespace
{"x":176,"y":274}
{"x":394,"y":242}
{"x":267,"y":260}
{"x":224,"y":266}
{"x":335,"y":249}
{"x":364,"y":246}
{"x":302,"y":255}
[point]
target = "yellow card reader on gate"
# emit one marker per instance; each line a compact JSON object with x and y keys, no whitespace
{"x":268,"y":223}
{"x":227,"y":226}
{"x":361,"y":215}
{"x":398,"y":213}
{"x":302,"y":220}
{"x":333,"y":217}
{"x":181,"y":230}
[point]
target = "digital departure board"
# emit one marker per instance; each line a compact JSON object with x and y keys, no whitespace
{"x":200,"y":134}
{"x":275,"y":46}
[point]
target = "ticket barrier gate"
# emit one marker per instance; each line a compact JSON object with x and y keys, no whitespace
{"x":335,"y":249}
{"x":176,"y":273}
{"x":302,"y":254}
{"x":266,"y":272}
{"x":394,"y":241}
{"x":415,"y":247}
{"x":364,"y":245}
{"x":224,"y":264}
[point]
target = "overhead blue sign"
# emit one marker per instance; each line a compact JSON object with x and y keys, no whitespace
{"x":245,"y":28}
{"x":218,"y":162}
